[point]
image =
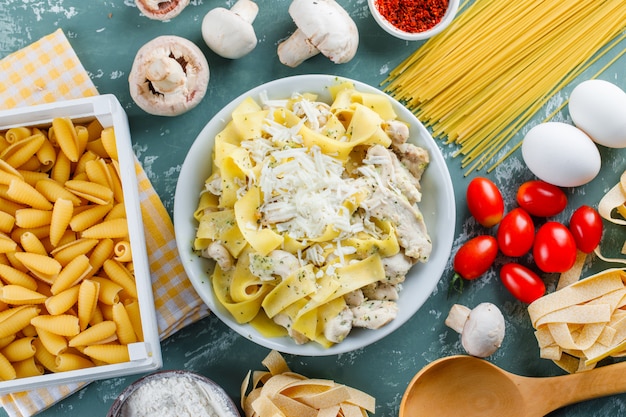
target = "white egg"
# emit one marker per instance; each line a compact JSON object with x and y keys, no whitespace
{"x":598,"y":108}
{"x":561,"y":154}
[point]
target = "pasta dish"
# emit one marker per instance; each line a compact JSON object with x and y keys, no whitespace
{"x":311,"y":214}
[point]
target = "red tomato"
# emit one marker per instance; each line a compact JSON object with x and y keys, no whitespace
{"x":586,"y":227}
{"x":485,"y":202}
{"x":516,"y":233}
{"x":541,"y":199}
{"x":476,"y":256}
{"x":555,"y":248}
{"x":523,"y":283}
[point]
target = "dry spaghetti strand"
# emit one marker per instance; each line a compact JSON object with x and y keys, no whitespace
{"x":480,"y":81}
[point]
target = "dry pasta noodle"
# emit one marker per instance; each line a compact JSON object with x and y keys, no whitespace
{"x":96,"y":334}
{"x":122,"y":251}
{"x":27,"y":367}
{"x":108,"y":353}
{"x":482,"y":79}
{"x":62,"y":212}
{"x":87,"y":301}
{"x":31,"y":243}
{"x":19,"y":349}
{"x":61,"y":216}
{"x":279,"y":391}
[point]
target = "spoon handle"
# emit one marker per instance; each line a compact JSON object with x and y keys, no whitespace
{"x":570,"y":389}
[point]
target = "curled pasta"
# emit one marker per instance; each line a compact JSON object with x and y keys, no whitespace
{"x":123,"y":251}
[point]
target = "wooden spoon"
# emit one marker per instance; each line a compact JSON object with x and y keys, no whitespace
{"x":468,"y":386}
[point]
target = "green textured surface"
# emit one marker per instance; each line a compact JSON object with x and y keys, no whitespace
{"x":106,"y":35}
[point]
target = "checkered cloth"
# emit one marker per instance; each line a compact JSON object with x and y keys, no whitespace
{"x":49,"y":70}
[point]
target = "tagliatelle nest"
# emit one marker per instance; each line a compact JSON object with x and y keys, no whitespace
{"x":280,"y":392}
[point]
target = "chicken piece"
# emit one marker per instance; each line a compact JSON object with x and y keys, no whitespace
{"x":396,"y":267}
{"x":415,"y":158}
{"x":220,"y":254}
{"x":397,"y":131}
{"x":277,"y":262}
{"x":354,"y":298}
{"x":339,"y":327}
{"x":381,"y":291}
{"x":374,"y":314}
{"x":393,"y":173}
{"x":407,"y":219}
{"x":285,"y":321}
{"x":284,"y":263}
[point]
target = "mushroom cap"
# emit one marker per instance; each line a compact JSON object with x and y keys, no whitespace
{"x":182,"y":71}
{"x":227,"y":33}
{"x":483,"y":331}
{"x":328,"y":27}
{"x":161,"y":10}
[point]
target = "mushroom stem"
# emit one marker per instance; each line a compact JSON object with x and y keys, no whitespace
{"x":457,"y":317}
{"x":246,"y":9}
{"x":296,"y":49}
{"x":165,"y":74}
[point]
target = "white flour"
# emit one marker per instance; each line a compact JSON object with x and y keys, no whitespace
{"x":175,"y":396}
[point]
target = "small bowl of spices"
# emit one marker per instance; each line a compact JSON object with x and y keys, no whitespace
{"x":413,"y":20}
{"x":172,"y":394}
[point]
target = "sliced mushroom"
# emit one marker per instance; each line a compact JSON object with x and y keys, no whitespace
{"x":481,"y":329}
{"x":169,"y":76}
{"x":323,"y":26}
{"x":161,"y":10}
{"x":229,"y":33}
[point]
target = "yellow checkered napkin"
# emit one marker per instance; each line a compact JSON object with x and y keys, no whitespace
{"x":49,"y":70}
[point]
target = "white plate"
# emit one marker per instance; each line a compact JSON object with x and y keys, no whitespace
{"x":438,"y":207}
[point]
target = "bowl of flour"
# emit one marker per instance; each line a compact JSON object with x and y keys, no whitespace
{"x":173,"y":394}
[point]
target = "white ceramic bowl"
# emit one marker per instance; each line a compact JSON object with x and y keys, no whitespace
{"x":453,"y":7}
{"x":438,"y":207}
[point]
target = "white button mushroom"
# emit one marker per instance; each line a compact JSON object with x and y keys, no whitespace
{"x":323,"y":26}
{"x":161,"y":10}
{"x":169,"y":76}
{"x":481,"y":329}
{"x":229,"y":33}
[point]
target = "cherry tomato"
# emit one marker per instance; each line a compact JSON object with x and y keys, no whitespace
{"x":541,"y":199}
{"x":516,"y":233}
{"x":555,"y":248}
{"x":523,"y":283}
{"x":485,"y":202}
{"x":476,"y":256}
{"x":586,"y":227}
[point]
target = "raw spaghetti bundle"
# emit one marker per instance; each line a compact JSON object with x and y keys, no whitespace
{"x":481,"y":80}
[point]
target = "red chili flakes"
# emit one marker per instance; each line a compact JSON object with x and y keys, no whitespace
{"x":412,"y":15}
